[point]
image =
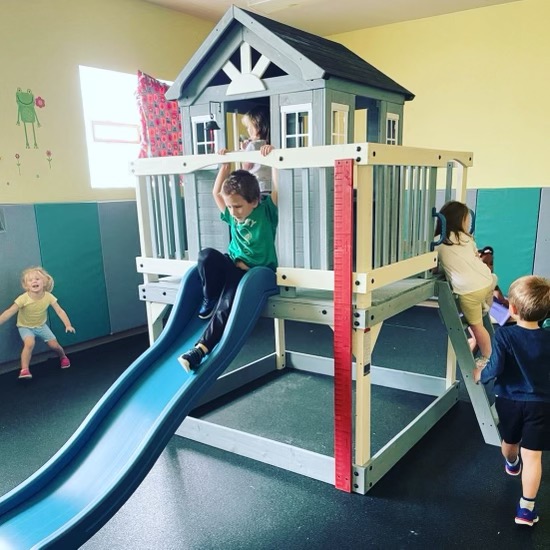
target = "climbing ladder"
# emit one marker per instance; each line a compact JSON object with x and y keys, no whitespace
{"x":450,"y":314}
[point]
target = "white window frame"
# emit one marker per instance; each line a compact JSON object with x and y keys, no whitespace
{"x":109,"y":104}
{"x":394,"y":139}
{"x":295,"y":109}
{"x":339,"y":108}
{"x":202,"y":119}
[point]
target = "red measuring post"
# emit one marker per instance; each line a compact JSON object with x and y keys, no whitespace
{"x":343,"y":272}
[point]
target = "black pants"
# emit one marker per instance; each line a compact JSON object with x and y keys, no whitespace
{"x":220,"y":277}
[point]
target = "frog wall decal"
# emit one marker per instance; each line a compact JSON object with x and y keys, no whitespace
{"x":26,"y":113}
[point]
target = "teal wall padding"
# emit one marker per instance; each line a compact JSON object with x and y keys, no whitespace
{"x":507,"y":220}
{"x":542,"y":247}
{"x":18,"y":250}
{"x":70,"y":245}
{"x":471,"y":198}
{"x":118,"y":225}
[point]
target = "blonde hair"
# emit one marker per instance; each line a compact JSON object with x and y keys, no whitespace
{"x":531,"y":297}
{"x":48,"y":279}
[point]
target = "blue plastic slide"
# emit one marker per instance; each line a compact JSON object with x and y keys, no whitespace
{"x":82,"y":486}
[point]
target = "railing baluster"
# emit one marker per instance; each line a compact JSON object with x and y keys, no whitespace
{"x":430,"y":225}
{"x":386,"y":205}
{"x":422,"y":213}
{"x":401,"y":219}
{"x":158,"y":215}
{"x":163,"y":222}
{"x":394,"y":217}
{"x":170,"y":216}
{"x":410,"y":218}
{"x":293,"y":220}
{"x":180,"y":230}
{"x":414,"y":210}
{"x":306,"y":218}
{"x":378,"y":217}
{"x":449,"y":181}
{"x":151,"y":202}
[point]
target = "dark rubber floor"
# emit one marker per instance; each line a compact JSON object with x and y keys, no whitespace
{"x":450,"y":491}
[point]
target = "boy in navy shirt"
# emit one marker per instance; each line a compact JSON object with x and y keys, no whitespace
{"x":520,"y":365}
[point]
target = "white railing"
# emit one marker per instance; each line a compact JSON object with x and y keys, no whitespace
{"x":395,"y":194}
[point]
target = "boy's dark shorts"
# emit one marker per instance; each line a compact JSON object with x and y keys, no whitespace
{"x":525,"y":422}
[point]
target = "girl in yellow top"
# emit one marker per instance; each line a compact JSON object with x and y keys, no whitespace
{"x":31,"y":308}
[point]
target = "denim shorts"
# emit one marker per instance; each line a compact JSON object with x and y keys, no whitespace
{"x":43,"y":332}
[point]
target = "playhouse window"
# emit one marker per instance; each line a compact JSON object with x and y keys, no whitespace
{"x":111,"y":120}
{"x":339,"y":130}
{"x":392,"y":128}
{"x":205,"y":142}
{"x":296,"y":128}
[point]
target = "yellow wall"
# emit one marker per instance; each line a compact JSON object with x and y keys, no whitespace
{"x":479,"y":76}
{"x":481,"y":81}
{"x":42,"y":43}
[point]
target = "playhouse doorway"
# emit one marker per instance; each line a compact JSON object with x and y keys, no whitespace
{"x":236,"y":132}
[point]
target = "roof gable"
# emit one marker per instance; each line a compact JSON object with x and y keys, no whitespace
{"x":318,"y":57}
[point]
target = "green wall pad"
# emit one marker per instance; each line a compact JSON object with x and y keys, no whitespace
{"x":120,"y":243}
{"x":18,"y":250}
{"x":471,"y":198}
{"x":70,"y":245}
{"x":542,"y":250}
{"x":507,"y":220}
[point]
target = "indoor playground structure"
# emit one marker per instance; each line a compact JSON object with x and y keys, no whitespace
{"x":356,"y":225}
{"x":355,"y":245}
{"x":382,"y":240}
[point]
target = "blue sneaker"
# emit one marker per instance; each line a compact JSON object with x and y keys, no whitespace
{"x":191,"y":359}
{"x":524,"y":516}
{"x":512,"y":470}
{"x":207,"y":308}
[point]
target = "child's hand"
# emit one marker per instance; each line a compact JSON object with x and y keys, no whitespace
{"x":244,"y":144}
{"x":266,"y":149}
{"x":70,"y":329}
{"x":223,"y":151}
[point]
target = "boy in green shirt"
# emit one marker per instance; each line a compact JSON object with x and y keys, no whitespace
{"x":252,"y":220}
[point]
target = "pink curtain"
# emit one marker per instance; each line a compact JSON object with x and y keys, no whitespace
{"x":160,"y":119}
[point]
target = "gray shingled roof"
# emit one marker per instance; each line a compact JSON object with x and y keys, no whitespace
{"x":321,"y":58}
{"x":335,"y":59}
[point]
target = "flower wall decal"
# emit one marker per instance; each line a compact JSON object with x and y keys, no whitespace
{"x":49,"y":158}
{"x":40,"y":102}
{"x":17,"y":157}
